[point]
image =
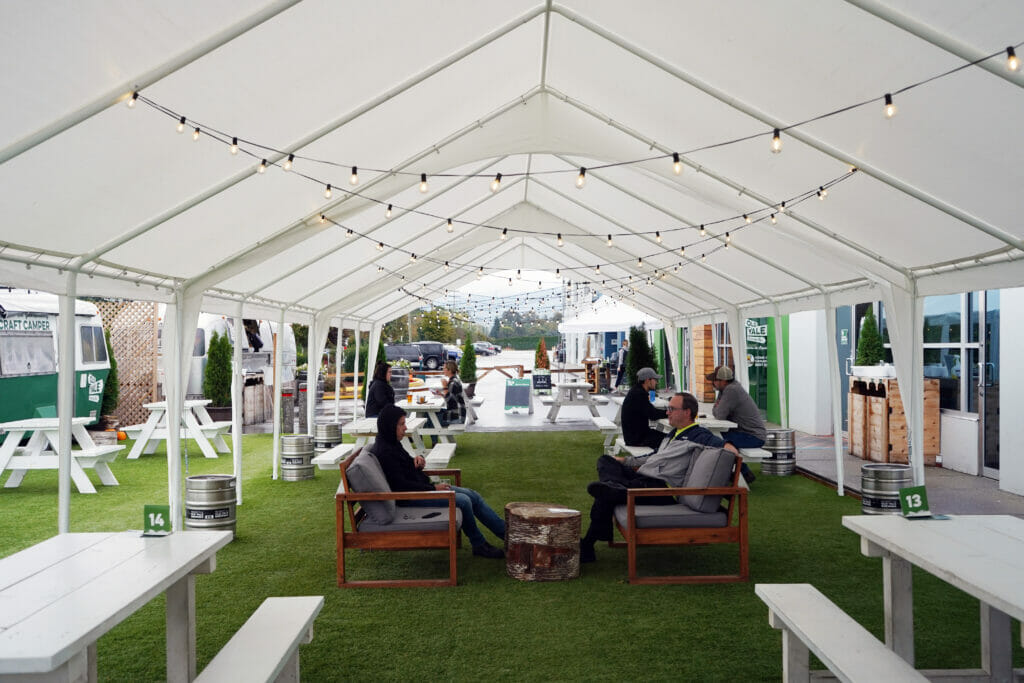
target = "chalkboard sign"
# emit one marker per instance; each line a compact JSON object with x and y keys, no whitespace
{"x":518,"y":395}
{"x":542,"y":381}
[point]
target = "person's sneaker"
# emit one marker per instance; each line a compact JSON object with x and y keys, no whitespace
{"x":487,"y":550}
{"x":748,"y":474}
{"x":604,"y":491}
{"x":587,"y":553}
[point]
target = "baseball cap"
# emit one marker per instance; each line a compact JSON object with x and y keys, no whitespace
{"x":645,"y":374}
{"x":723,"y":372}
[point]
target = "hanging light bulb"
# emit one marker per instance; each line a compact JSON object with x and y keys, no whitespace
{"x":504,"y":234}
{"x":657,"y":236}
{"x":195,"y":133}
{"x":728,"y":240}
{"x":451,"y":226}
{"x":677,"y":165}
{"x":561,"y":242}
{"x":519,"y":274}
{"x":323,"y":218}
{"x":782,"y":207}
{"x":822,"y":193}
{"x":387,"y":212}
{"x":412,"y":258}
{"x":496,"y":183}
{"x":1012,"y":63}
{"x":639,"y":261}
{"x":262,"y":167}
{"x":380,"y":246}
{"x":135,"y":96}
{"x":380,"y":269}
{"x":423,"y":183}
{"x":510,"y":282}
{"x":746,"y":218}
{"x":288,"y":162}
{"x":682,"y":251}
{"x":773,"y":219}
{"x":480,"y":273}
{"x":446,"y":267}
{"x":702,"y":230}
{"x":890,"y":108}
{"x":234,"y":145}
{"x":558,"y":273}
{"x":776,"y":141}
{"x":181,"y":125}
{"x":327,"y":192}
{"x":703,"y":258}
{"x":354,"y":178}
{"x":582,"y":177}
{"x":349,"y":233}
{"x":597,"y":269}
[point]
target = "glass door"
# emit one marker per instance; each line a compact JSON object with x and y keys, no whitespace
{"x":844,"y":346}
{"x":984,"y":328}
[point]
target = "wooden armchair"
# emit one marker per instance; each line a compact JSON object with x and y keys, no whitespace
{"x":698,"y":523}
{"x":372,"y":527}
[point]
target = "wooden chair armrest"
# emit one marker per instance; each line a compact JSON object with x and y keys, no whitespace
{"x":717,"y":491}
{"x":456,"y":473}
{"x":397,"y":495}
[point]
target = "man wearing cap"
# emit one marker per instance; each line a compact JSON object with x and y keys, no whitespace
{"x":637,"y":412}
{"x":735,"y":404}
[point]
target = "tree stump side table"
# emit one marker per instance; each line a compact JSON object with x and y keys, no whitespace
{"x":542,"y":542}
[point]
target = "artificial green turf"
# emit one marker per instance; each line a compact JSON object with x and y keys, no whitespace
{"x":491,"y":627}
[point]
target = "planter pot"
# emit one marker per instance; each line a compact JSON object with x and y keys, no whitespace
{"x":219,"y":413}
{"x":399,"y":380}
{"x":470,"y":390}
{"x":874,"y":371}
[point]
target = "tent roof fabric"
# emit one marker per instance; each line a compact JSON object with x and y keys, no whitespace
{"x":533,"y":90}
{"x":609,"y":315}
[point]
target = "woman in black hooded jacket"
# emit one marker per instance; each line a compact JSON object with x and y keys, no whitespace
{"x":380,"y":393}
{"x":405,"y":473}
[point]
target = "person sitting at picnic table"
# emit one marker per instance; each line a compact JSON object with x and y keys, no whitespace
{"x":405,"y":473}
{"x":735,"y":404}
{"x":454,"y":400}
{"x":665,"y":467}
{"x":380,"y":393}
{"x":638,"y":411}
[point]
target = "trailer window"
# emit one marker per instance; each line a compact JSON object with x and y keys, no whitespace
{"x":27,"y":353}
{"x":94,"y":347}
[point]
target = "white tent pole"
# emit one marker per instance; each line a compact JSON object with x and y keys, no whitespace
{"x":780,"y":370}
{"x":672,"y":343}
{"x":65,"y":400}
{"x":835,"y":384}
{"x":355,"y":377}
{"x":237,"y":402}
{"x":735,"y":335}
{"x":915,"y":426}
{"x":318,"y":334}
{"x":124,"y":90}
{"x":278,"y":372}
{"x":905,"y":333}
{"x":371,"y":353}
{"x":338,"y":359}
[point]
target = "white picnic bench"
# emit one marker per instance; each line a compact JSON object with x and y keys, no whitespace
{"x":331,"y":458}
{"x":266,"y":648}
{"x":199,"y":426}
{"x":810,"y":622}
{"x":41,"y":452}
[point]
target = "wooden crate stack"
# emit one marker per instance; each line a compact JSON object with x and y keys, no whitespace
{"x":878,"y":424}
{"x":703,"y":363}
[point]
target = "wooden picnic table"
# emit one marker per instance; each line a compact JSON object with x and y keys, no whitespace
{"x":198,"y":426}
{"x":982,"y":555}
{"x":41,"y":452}
{"x":60,"y":596}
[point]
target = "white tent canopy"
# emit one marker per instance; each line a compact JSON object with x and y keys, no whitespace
{"x":609,"y":315}
{"x":102,"y":199}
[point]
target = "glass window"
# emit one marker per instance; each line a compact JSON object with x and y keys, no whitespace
{"x":27,"y":354}
{"x":944,"y":365}
{"x":973,"y":303}
{"x":199,"y":346}
{"x":942,"y":319}
{"x":94,"y":347}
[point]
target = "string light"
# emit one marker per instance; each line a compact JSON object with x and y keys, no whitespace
{"x":288,"y":162}
{"x":234,"y":145}
{"x":677,"y":165}
{"x":504,"y":234}
{"x":657,"y":236}
{"x":703,"y":258}
{"x":380,"y":269}
{"x":727,"y":240}
{"x":354,"y":178}
{"x":773,"y":219}
{"x":387,"y":212}
{"x":702,"y":230}
{"x":746,"y":218}
{"x":597,"y":269}
{"x":349,"y":233}
{"x":582,"y":177}
{"x":480,"y":273}
{"x":639,"y":261}
{"x":561,"y":242}
{"x":135,"y":95}
{"x":327,"y":192}
{"x":519,"y":274}
{"x":446,"y":267}
{"x":323,"y":218}
{"x":412,"y":258}
{"x":496,"y":183}
{"x":822,"y":193}
{"x":776,"y":142}
{"x":682,"y":251}
{"x":1012,"y":63}
{"x":890,"y":108}
{"x":782,"y":207}
{"x":423,"y":183}
{"x":262,"y":167}
{"x":558,"y":273}
{"x":181,"y":125}
{"x":609,"y":240}
{"x":380,"y":246}
{"x":451,"y":226}
{"x":195,"y":133}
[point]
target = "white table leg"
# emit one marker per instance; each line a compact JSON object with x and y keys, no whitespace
{"x":81,"y":479}
{"x":996,"y":643}
{"x":898,"y":586}
{"x":593,"y":409}
{"x":144,"y":435}
{"x":553,"y":411}
{"x":107,"y":477}
{"x":196,"y":434}
{"x":181,"y":630}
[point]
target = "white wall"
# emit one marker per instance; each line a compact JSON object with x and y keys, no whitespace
{"x":1011,"y":391}
{"x":810,"y":400}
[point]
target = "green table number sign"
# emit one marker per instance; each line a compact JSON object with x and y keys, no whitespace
{"x":914,"y":502}
{"x":157,"y":520}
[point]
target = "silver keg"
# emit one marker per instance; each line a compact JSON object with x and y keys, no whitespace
{"x":781,"y":443}
{"x":326,"y":435}
{"x":210,"y":501}
{"x":880,"y":485}
{"x":296,"y":457}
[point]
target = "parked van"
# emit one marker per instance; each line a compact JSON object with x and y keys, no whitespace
{"x":393,"y":352}
{"x":29,"y":326}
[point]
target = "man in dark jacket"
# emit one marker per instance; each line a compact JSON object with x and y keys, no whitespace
{"x":405,"y":473}
{"x":637,"y":412}
{"x":670,"y":462}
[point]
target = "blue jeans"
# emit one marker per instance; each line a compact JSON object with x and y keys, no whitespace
{"x":473,"y":507}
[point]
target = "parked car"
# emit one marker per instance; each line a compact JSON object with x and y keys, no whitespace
{"x":393,"y":352}
{"x":454,"y":352}
{"x":434,"y":354}
{"x":484,"y":349}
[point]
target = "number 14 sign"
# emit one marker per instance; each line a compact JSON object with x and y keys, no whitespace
{"x":157,"y":520}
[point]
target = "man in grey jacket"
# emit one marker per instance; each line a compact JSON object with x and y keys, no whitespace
{"x":735,"y":404}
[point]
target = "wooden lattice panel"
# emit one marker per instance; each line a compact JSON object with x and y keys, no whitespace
{"x":133,"y":336}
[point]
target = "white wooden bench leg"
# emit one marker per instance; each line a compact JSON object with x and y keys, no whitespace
{"x":14,"y":480}
{"x":898,"y":583}
{"x":796,"y":663}
{"x":290,"y":672}
{"x":196,"y":434}
{"x":181,"y":630}
{"x":996,"y":643}
{"x":143,"y":442}
{"x":106,"y":476}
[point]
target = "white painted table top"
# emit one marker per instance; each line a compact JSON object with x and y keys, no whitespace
{"x":38,"y":423}
{"x":368,"y":425}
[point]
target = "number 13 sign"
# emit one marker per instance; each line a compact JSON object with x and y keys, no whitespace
{"x":914,"y":502}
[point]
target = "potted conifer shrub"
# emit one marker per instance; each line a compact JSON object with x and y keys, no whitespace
{"x":217,"y":377}
{"x":870,"y":360}
{"x":467,"y":367}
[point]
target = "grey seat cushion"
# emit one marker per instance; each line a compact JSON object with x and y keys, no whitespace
{"x":412,"y":519}
{"x":366,"y":476}
{"x":676,"y":516}
{"x":711,"y":469}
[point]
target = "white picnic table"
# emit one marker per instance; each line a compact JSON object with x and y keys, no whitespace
{"x":60,"y":596}
{"x":199,"y":426}
{"x":982,"y":555}
{"x":41,"y":452}
{"x":430,"y":409}
{"x":571,"y":394}
{"x":365,"y":428}
{"x":619,"y":400}
{"x":710,"y":423}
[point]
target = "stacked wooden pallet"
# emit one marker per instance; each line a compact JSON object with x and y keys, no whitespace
{"x":878,"y":423}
